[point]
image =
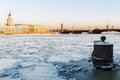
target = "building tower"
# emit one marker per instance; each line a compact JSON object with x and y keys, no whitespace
{"x":9,"y":20}
{"x":62,"y":28}
{"x":108,"y":27}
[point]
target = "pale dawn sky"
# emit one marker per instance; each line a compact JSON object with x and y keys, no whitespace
{"x":83,"y":12}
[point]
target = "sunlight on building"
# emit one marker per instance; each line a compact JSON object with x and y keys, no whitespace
{"x":11,"y":28}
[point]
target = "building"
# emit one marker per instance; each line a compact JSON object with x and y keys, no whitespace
{"x":10,"y":28}
{"x":41,"y":30}
{"x":9,"y":20}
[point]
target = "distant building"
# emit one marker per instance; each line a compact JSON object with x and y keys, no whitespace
{"x":62,"y":28}
{"x":9,"y":20}
{"x":39,"y":29}
{"x":9,"y":28}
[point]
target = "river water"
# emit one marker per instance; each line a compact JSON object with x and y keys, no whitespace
{"x":53,"y":57}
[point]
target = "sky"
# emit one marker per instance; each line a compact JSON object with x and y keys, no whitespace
{"x":71,"y":12}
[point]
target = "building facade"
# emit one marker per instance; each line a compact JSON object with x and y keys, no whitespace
{"x":10,"y":28}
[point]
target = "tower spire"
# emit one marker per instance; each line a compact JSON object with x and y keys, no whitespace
{"x":9,"y":13}
{"x":9,"y":20}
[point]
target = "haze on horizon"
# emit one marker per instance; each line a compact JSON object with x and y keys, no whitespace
{"x":55,"y":12}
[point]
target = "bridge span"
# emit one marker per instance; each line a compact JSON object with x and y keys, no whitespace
{"x":95,"y":31}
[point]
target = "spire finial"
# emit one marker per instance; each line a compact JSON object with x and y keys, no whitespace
{"x":9,"y":13}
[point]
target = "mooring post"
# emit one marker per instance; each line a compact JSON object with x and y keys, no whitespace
{"x":102,"y":56}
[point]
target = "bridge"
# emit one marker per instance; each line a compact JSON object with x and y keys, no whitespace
{"x":73,"y":31}
{"x":95,"y":31}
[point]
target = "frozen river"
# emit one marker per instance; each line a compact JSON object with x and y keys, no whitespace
{"x":45,"y":57}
